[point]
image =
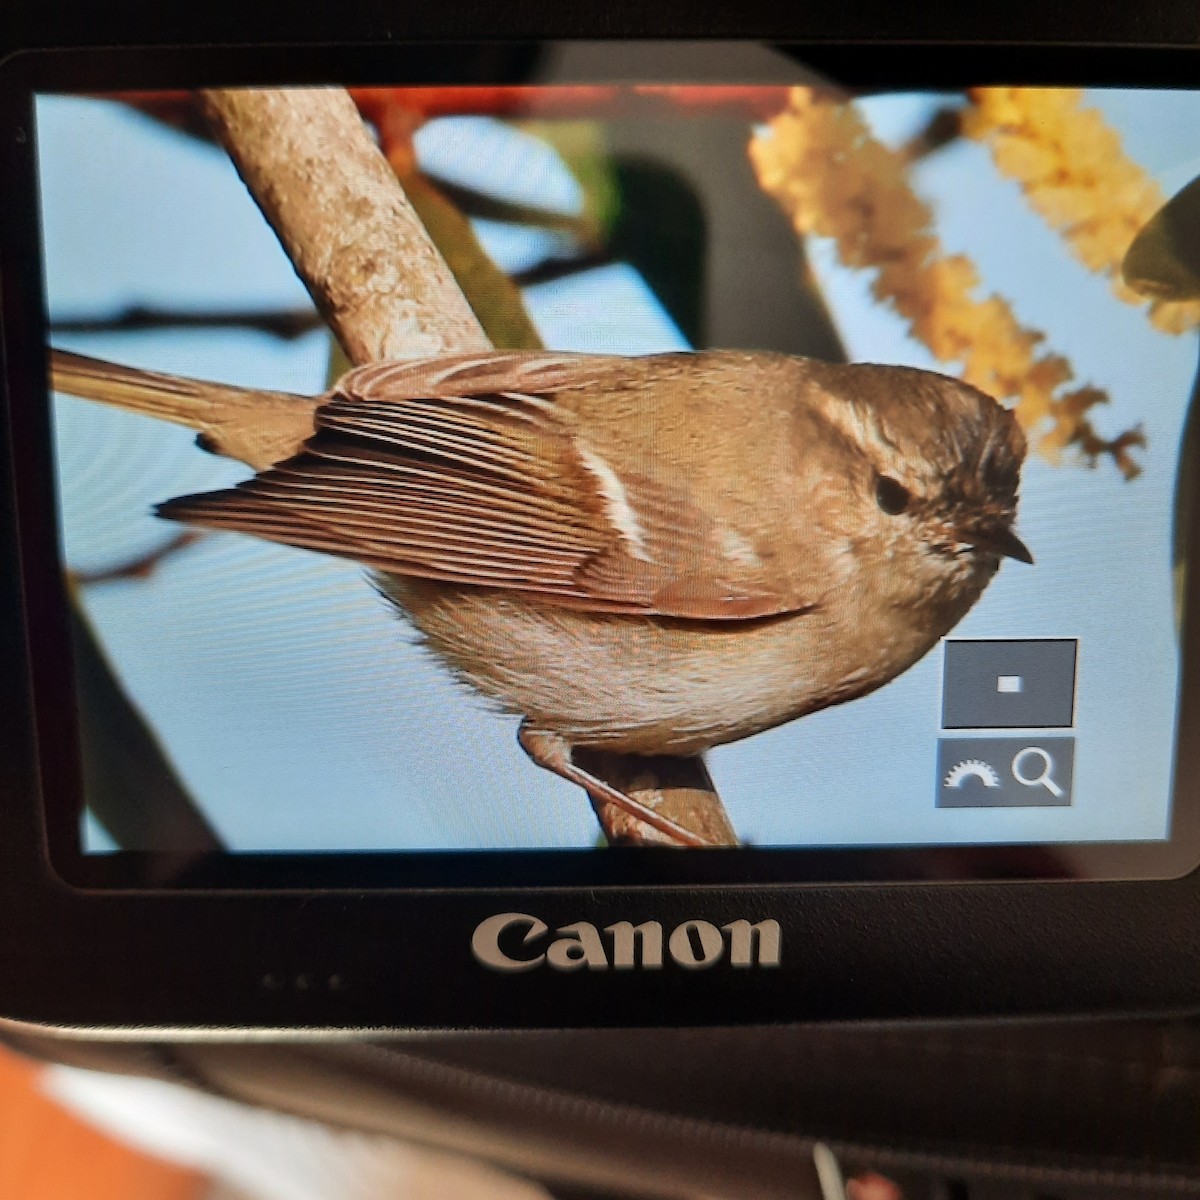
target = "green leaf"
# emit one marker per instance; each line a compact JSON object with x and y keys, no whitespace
{"x":1164,"y":259}
{"x":1184,"y":536}
{"x":583,"y":148}
{"x":661,"y":231}
{"x":494,"y":297}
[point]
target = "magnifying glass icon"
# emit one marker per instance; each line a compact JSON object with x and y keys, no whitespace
{"x":1043,"y":778}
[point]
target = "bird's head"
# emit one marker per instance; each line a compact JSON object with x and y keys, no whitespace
{"x":937,"y":467}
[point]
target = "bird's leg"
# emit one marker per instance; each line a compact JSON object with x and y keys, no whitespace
{"x":553,"y":752}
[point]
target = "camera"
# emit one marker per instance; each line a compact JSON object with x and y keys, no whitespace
{"x":596,"y":533}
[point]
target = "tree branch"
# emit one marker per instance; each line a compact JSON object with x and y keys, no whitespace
{"x":679,"y":789}
{"x":132,"y":789}
{"x":373,"y":271}
{"x":344,"y":221}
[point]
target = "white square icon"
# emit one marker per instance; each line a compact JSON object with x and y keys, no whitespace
{"x":1009,"y":684}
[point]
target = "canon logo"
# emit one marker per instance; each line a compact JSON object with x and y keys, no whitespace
{"x":518,"y":942}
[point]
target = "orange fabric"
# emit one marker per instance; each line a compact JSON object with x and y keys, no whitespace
{"x":46,"y":1154}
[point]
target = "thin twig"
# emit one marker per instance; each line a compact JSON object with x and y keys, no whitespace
{"x":474,"y":203}
{"x":549,"y":270}
{"x":285,"y":323}
{"x":944,"y":126}
{"x":141,"y":567}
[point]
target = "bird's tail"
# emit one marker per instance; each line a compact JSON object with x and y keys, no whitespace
{"x":256,"y":427}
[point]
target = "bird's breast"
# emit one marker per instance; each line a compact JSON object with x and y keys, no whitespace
{"x":647,"y":685}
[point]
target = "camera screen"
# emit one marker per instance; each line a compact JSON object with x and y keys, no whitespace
{"x":671,"y":565}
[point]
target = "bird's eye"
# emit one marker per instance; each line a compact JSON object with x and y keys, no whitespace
{"x":892,"y":497}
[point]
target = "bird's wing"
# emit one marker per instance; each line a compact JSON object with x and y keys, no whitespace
{"x":483,"y":373}
{"x":464,"y":470}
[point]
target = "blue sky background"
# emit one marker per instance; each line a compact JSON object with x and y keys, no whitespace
{"x":295,"y":704}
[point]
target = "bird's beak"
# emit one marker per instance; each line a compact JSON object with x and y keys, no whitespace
{"x":999,"y":539}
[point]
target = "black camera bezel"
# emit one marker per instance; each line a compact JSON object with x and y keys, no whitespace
{"x":297,"y":938}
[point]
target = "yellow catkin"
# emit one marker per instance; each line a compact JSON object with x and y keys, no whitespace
{"x":833,"y":179}
{"x":1077,"y":177}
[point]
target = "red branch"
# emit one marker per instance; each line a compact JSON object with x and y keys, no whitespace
{"x":756,"y":103}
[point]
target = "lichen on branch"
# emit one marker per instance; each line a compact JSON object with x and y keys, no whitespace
{"x":344,"y":221}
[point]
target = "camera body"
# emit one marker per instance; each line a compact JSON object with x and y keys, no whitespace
{"x":206,"y":824}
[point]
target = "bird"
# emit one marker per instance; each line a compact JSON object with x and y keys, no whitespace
{"x":648,"y":555}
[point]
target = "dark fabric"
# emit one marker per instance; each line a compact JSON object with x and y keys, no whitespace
{"x":1031,"y":1111}
{"x":1123,"y":1092}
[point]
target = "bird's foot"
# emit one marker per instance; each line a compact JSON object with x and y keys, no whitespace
{"x":553,"y":752}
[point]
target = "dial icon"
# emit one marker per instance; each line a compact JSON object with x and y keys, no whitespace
{"x":972,"y":768}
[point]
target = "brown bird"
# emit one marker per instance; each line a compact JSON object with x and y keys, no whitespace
{"x":643,"y":555}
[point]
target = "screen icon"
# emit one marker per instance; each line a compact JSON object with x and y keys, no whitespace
{"x":1005,"y":772}
{"x":1043,"y":778}
{"x":1013,"y":684}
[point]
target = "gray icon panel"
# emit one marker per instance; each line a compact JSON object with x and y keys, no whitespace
{"x":1011,"y":684}
{"x":1005,"y":772}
